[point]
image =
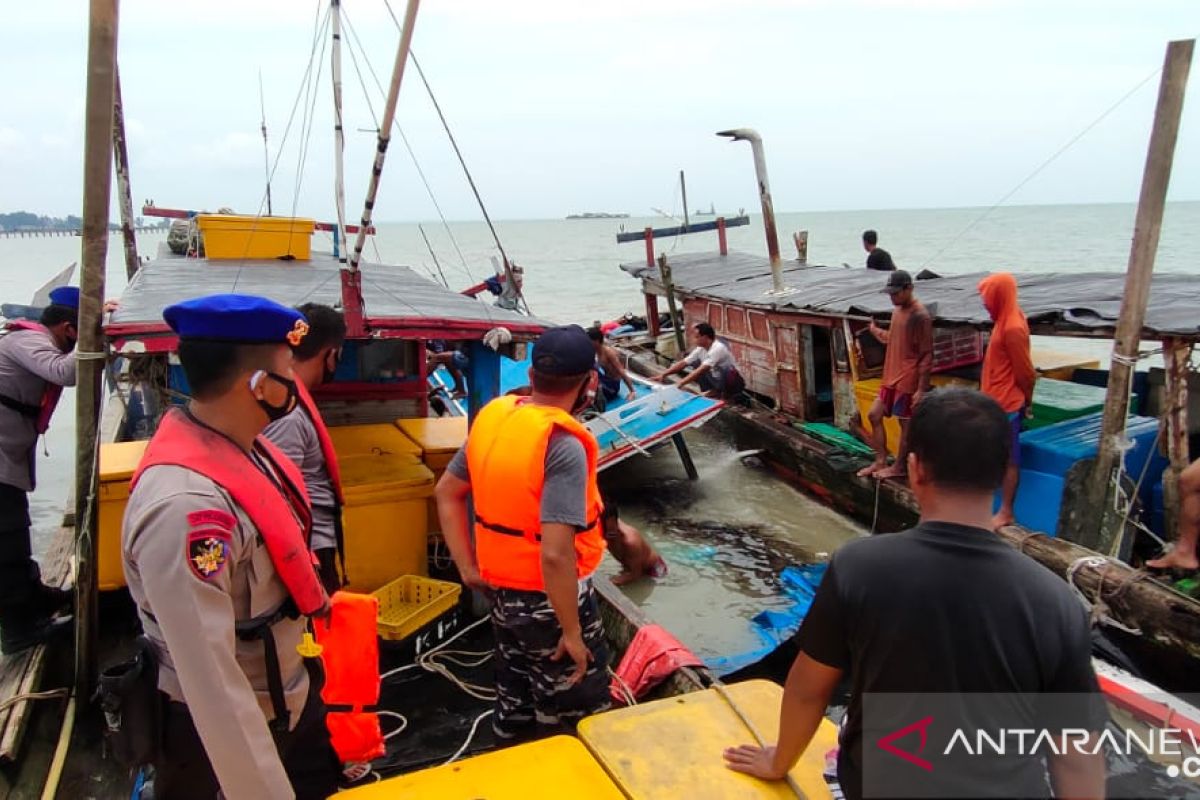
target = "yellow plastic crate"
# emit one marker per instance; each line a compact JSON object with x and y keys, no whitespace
{"x":233,"y":236}
{"x":549,"y":769}
{"x":118,"y":461}
{"x":386,"y":518}
{"x":375,"y":439}
{"x":438,"y":437}
{"x":411,"y":601}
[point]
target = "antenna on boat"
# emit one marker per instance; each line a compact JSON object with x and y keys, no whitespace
{"x":262,"y":105}
{"x":339,"y":135}
{"x":764,"y":195}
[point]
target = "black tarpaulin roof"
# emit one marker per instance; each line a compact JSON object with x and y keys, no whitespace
{"x":394,"y":296}
{"x":1079,"y":301}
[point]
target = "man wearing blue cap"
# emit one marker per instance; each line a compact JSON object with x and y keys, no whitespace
{"x":35,"y":364}
{"x":530,"y":468}
{"x":216,"y":554}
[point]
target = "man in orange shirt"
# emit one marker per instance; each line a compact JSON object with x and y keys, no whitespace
{"x":906,"y":370}
{"x":1008,"y":375}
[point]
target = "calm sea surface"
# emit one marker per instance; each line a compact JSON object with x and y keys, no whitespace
{"x":571,"y":275}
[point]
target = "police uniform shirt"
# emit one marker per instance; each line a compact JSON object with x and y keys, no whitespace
{"x":28,"y":360}
{"x":197,"y":589}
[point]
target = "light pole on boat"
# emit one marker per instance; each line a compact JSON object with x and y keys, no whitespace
{"x":352,"y":302}
{"x":764,"y":195}
{"x":97,"y":184}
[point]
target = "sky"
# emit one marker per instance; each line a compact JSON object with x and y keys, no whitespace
{"x":566,"y":106}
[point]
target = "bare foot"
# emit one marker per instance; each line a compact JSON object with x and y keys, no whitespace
{"x":894,"y":471}
{"x":1002,"y":519}
{"x":870,"y":470}
{"x":1175,"y":559}
{"x":624,"y":577}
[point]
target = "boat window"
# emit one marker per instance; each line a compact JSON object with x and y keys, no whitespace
{"x":758,"y":326}
{"x":735,"y":321}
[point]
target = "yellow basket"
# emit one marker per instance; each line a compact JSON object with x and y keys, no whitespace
{"x":411,"y":601}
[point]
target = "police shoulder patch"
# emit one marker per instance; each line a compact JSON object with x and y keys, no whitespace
{"x":207,"y":552}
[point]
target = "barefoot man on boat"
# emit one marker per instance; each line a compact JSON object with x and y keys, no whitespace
{"x":906,"y":370}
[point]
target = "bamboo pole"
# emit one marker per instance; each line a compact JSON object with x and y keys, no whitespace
{"x":683,"y":192}
{"x":1176,"y":354}
{"x":124,"y":192}
{"x":339,"y":134}
{"x":97,"y":185}
{"x":1096,"y":526}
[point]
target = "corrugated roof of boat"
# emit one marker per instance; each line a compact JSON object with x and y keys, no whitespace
{"x":1080,"y":302}
{"x":395,"y":296}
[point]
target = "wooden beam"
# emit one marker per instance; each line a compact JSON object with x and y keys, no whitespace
{"x":124,"y":192}
{"x":1097,"y":525}
{"x":1176,"y":355}
{"x":664,"y":269}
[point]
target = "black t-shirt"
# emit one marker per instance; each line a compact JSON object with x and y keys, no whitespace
{"x":946,"y":608}
{"x":880,"y":259}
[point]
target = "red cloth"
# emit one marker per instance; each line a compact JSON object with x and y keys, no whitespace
{"x":651,"y":657}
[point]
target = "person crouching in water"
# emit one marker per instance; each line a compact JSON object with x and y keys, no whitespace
{"x":631,"y":550}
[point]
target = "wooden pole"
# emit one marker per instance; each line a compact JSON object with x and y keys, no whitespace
{"x":722,"y":241}
{"x":1176,"y":354}
{"x":664,"y":271}
{"x":801,"y":240}
{"x":97,"y":185}
{"x":1097,"y":528}
{"x":683,"y":191}
{"x":124,"y":192}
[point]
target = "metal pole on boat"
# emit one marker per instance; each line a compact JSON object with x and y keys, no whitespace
{"x":339,"y":136}
{"x":1096,"y":525}
{"x":89,"y":352}
{"x":124,"y":192}
{"x":764,"y":195}
{"x":352,"y":302}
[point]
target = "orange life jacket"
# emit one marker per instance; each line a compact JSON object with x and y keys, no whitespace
{"x":41,"y":413}
{"x":351,"y":658}
{"x":282,"y":518}
{"x":331,"y":461}
{"x":506,"y":456}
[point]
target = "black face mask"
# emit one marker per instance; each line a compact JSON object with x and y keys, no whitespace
{"x":289,"y":403}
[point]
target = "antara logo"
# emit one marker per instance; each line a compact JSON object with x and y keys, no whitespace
{"x":920,"y":726}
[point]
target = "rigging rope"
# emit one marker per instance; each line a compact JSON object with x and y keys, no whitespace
{"x":1041,"y":167}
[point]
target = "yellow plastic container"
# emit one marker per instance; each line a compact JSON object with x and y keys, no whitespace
{"x":1058,"y":365}
{"x":118,"y":460}
{"x":438,"y":437}
{"x":377,"y":439}
{"x":550,"y":769}
{"x":671,"y":748}
{"x":385,"y":519}
{"x":866,"y":392}
{"x":233,"y":236}
{"x":411,"y":601}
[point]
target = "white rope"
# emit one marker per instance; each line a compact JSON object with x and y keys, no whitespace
{"x":438,"y":660}
{"x":470,"y":737}
{"x":81,"y":355}
{"x":626,"y":693}
{"x":403,"y":722}
{"x":1098,"y":610}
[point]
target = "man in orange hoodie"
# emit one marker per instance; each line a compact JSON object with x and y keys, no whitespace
{"x":1008,"y":375}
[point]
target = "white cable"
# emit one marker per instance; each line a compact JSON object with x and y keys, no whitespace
{"x":403,"y":722}
{"x":470,"y":737}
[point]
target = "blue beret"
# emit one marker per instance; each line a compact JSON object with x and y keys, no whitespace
{"x":239,"y":318}
{"x":65,"y":296}
{"x":565,"y":350}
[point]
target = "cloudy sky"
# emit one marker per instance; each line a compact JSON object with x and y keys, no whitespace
{"x":573,"y":105}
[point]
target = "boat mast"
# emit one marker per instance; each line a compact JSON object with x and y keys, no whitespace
{"x":89,"y":353}
{"x":352,"y":301}
{"x":1094,"y":525}
{"x":683,"y":191}
{"x":764,"y":195}
{"x":124,"y":193}
{"x":339,"y":134}
{"x":262,"y":105}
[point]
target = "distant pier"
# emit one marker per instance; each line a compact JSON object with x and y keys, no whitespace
{"x":39,"y":232}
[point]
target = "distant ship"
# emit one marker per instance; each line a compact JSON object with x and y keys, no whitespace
{"x":597,"y":215}
{"x":712,"y":211}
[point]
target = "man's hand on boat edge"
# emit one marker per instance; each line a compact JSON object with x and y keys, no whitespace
{"x":754,"y":760}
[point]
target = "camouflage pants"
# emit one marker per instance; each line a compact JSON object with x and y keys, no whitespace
{"x":532,"y":698}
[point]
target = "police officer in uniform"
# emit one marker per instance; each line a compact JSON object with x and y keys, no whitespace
{"x":35,"y":363}
{"x":530,"y":468}
{"x":216,"y":556}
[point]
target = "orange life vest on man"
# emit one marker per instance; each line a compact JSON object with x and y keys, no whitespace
{"x":44,"y":410}
{"x":506,"y":457}
{"x":282,"y":521}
